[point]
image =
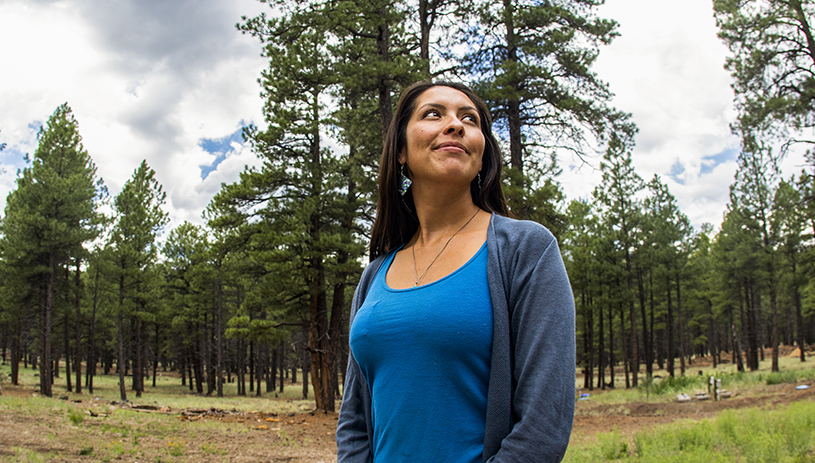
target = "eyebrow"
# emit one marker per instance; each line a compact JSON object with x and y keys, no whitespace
{"x":441,"y":106}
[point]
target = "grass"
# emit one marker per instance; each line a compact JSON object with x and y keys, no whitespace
{"x":123,"y":434}
{"x":752,"y":435}
{"x":748,"y":435}
{"x":666,"y":388}
{"x":170,"y":393}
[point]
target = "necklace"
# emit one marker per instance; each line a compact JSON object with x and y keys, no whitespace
{"x":413,"y":248}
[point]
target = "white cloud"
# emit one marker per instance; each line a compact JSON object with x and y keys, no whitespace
{"x":666,"y":69}
{"x":145,"y":79}
{"x":150,"y":79}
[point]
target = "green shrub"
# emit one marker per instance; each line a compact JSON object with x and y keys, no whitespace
{"x":76,"y":416}
{"x":612,"y":445}
{"x":782,"y":377}
{"x":735,"y":436}
{"x":672,"y":384}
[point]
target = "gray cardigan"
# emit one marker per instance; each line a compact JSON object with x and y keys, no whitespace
{"x":530,"y":403}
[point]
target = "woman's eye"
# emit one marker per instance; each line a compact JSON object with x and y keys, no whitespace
{"x":432,"y":112}
{"x":471,"y":118}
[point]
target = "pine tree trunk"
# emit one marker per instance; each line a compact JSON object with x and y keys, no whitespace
{"x":799,"y":321}
{"x":67,"y":344}
{"x":305,"y":362}
{"x":681,"y":327}
{"x":78,"y":348}
{"x":625,"y":352}
{"x":156,"y":355}
{"x":671,"y":350}
{"x":611,"y":344}
{"x":91,"y":366}
{"x":774,"y":328}
{"x":601,"y":364}
{"x":120,"y":325}
{"x":647,"y":351}
{"x":16,"y":339}
{"x":635,"y":363}
{"x":282,"y":370}
{"x":424,"y":38}
{"x":46,"y":374}
{"x":218,"y":338}
{"x":384,"y":85}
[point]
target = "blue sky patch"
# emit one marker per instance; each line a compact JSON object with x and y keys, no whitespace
{"x":220,"y":147}
{"x":710,"y":162}
{"x":34,"y":127}
{"x":676,"y":170}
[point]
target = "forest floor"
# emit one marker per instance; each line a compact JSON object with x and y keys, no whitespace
{"x":629,"y":417}
{"x":80,"y":427}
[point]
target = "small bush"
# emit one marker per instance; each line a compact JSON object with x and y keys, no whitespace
{"x":673,"y":384}
{"x":782,"y":377}
{"x":612,"y":445}
{"x":76,"y":416}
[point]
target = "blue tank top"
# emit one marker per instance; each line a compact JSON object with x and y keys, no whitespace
{"x":425,"y":353}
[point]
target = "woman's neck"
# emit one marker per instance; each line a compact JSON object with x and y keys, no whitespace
{"x":441,"y":215}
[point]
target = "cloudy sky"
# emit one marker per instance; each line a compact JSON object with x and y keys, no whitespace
{"x":173,"y":82}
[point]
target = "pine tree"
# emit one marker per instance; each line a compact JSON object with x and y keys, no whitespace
{"x":618,"y":194}
{"x":531,"y":62}
{"x":772,"y":54}
{"x":139,"y":219}
{"x":50,"y":215}
{"x":754,"y":192}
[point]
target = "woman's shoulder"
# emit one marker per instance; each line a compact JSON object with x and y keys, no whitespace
{"x":523,"y":234}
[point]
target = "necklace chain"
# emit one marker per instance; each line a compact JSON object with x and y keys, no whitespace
{"x":413,"y":249}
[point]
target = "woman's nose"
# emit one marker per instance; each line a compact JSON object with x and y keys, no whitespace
{"x":455,"y":125}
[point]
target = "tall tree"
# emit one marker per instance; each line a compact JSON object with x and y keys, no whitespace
{"x":139,"y":219}
{"x":618,"y":194}
{"x":51,"y":214}
{"x":531,"y":61}
{"x":754,"y":192}
{"x":772,"y":61}
{"x":302,"y":195}
{"x":789,"y":220}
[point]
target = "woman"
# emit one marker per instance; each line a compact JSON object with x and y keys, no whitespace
{"x":462,"y":327}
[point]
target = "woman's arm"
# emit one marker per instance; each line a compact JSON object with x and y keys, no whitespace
{"x":542,"y":320}
{"x":353,"y":438}
{"x":354,"y":432}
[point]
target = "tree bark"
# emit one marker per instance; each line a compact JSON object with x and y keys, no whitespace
{"x":635,"y":363}
{"x":120,"y":326}
{"x":671,"y":354}
{"x":78,"y":348}
{"x":218,"y":337}
{"x":681,"y":326}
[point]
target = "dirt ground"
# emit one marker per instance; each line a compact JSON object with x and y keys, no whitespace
{"x":632,"y":417}
{"x":205,"y":435}
{"x":221,"y":435}
{"x":629,"y":418}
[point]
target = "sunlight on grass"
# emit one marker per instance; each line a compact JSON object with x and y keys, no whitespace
{"x":752,"y":435}
{"x":665,"y":388}
{"x":169,"y":392}
{"x":28,"y":456}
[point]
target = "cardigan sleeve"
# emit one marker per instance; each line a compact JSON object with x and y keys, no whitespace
{"x":353,"y":438}
{"x":354,"y":431}
{"x":542,"y":321}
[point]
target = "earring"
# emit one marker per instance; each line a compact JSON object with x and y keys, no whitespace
{"x":479,"y":181}
{"x":405,"y":183}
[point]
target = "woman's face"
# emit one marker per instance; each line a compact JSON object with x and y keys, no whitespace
{"x":444,"y":141}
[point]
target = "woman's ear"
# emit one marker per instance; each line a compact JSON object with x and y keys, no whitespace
{"x":402,"y":158}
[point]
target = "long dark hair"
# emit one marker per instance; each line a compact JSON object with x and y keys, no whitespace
{"x":396,"y":220}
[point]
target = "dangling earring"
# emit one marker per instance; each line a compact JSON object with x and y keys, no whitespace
{"x":405,"y":183}
{"x":479,"y":182}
